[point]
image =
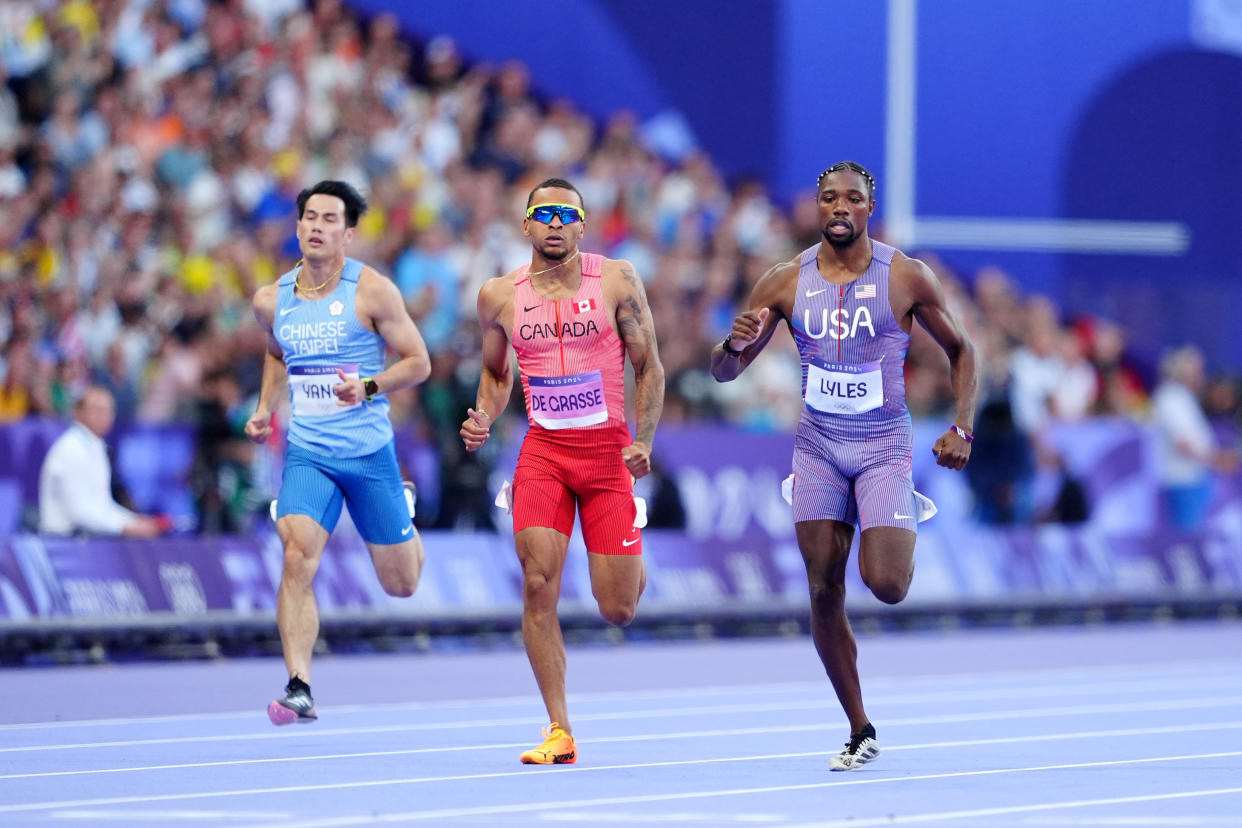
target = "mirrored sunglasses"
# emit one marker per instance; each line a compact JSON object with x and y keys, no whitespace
{"x":544,"y":213}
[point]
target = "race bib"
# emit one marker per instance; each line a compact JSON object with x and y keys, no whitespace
{"x":834,"y":388}
{"x":568,"y":402}
{"x":311,"y":387}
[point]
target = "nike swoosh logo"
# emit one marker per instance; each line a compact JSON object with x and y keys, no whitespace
{"x":811,"y":293}
{"x":629,"y":542}
{"x":531,"y":308}
{"x":902,"y":517}
{"x":287,"y":310}
{"x":407,"y":530}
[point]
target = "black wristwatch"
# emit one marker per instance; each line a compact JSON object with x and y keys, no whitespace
{"x":370,"y":387}
{"x":728,"y":349}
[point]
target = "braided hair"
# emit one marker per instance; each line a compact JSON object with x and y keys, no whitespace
{"x":850,"y":165}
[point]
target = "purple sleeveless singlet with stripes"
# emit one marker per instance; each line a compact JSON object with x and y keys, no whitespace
{"x":854,"y":443}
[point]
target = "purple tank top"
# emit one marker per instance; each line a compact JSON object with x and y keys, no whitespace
{"x":847,"y":338}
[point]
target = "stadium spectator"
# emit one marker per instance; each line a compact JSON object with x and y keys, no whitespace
{"x":1119,"y":388}
{"x":1074,"y":395}
{"x":75,"y":483}
{"x":114,"y":375}
{"x":1187,"y":452}
{"x":1002,"y":473}
{"x":1036,"y":367}
{"x":427,"y":276}
{"x":225,"y":496}
{"x":15,"y":389}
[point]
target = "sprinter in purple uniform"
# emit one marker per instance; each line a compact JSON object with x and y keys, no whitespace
{"x":849,"y":302}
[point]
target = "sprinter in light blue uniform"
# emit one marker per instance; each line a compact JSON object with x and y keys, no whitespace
{"x":329,"y":322}
{"x":849,"y":303}
{"x":317,"y":337}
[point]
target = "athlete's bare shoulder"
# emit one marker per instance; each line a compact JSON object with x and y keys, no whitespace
{"x":495,"y":295}
{"x":912,"y":285}
{"x":621,"y":275}
{"x":623,"y":290}
{"x":776,"y":289}
{"x":785,"y":270}
{"x":263,"y":303}
{"x":911,"y":272}
{"x":368,"y":274}
{"x":378,"y":298}
{"x":499,"y":288}
{"x":373,"y":283}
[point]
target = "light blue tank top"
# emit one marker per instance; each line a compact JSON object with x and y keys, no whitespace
{"x":318,"y":336}
{"x":847,"y":328}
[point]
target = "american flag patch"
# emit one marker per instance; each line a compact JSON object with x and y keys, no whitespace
{"x":589,"y":304}
{"x":864,"y":291}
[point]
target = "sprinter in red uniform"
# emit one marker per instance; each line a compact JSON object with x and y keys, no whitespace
{"x":572,"y":318}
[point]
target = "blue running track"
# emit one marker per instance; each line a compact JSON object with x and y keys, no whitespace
{"x":1135,"y":725}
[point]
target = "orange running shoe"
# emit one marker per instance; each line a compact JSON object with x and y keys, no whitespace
{"x":558,"y":748}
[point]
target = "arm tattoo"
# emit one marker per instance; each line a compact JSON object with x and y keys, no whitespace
{"x":630,"y":313}
{"x":630,"y":322}
{"x":640,"y":342}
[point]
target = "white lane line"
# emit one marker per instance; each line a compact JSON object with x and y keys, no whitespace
{"x":377,"y":783}
{"x":313,"y":732}
{"x":486,"y":810}
{"x":661,"y":818}
{"x":597,"y":817}
{"x":167,"y":816}
{"x":1176,"y":672}
{"x":658,"y":737}
{"x":454,"y":704}
{"x":499,"y":809}
{"x":1011,"y":809}
{"x":1072,"y":710}
{"x":1149,"y":821}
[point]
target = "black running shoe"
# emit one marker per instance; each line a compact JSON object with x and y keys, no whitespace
{"x":296,"y":706}
{"x":859,"y":750}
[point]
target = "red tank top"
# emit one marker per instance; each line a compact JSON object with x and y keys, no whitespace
{"x":571,"y":359}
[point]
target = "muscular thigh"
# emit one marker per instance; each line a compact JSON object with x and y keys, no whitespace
{"x":886,"y":551}
{"x":616,"y":577}
{"x":541,"y":551}
{"x":825,"y":548}
{"x":398,"y":560}
{"x":303,"y":534}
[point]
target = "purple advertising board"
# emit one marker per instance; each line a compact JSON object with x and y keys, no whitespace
{"x":736,"y":552}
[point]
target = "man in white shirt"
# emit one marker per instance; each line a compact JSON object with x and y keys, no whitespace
{"x":75,"y":483}
{"x":1186,"y":449}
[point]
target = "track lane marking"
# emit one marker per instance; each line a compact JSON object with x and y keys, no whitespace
{"x":1205,"y":671}
{"x":499,"y":809}
{"x":314,"y":732}
{"x":692,"y":734}
{"x":1009,"y":809}
{"x":487,"y":810}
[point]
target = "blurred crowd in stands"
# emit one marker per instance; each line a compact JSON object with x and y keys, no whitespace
{"x":151,"y":152}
